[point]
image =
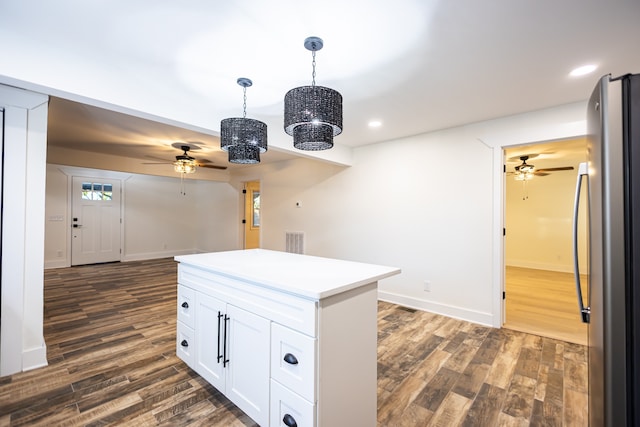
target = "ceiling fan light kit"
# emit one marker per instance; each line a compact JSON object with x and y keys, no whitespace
{"x":524,"y":172}
{"x":313,"y":114}
{"x":184,"y":162}
{"x":244,"y":139}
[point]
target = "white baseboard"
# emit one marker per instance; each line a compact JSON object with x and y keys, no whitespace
{"x":34,"y":358}
{"x":56,"y":264}
{"x":540,"y":266}
{"x":485,"y":319}
{"x":49,"y":264}
{"x":159,"y":254}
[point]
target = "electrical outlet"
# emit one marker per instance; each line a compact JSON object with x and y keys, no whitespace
{"x":427,"y":286}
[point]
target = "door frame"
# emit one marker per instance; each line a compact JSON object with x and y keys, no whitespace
{"x":75,"y":171}
{"x":503,"y":210}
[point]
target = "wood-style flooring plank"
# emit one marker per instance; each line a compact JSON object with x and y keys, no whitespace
{"x":110,"y":333}
{"x":544,"y":303}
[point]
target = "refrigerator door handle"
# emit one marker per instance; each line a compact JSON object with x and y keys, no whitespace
{"x":585,"y":312}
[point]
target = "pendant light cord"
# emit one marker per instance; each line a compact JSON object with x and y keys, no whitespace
{"x":313,"y":65}
{"x":244,"y":104}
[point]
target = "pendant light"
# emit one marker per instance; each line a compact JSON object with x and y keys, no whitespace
{"x":244,"y":154}
{"x":244,"y":139}
{"x":313,"y":114}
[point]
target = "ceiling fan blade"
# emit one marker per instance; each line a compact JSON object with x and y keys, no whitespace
{"x":213,"y":167}
{"x":563,"y":168}
{"x":538,"y":173}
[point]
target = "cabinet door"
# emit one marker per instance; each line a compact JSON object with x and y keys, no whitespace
{"x":209,"y":332}
{"x":248,"y":366}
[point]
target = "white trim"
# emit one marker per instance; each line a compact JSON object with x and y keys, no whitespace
{"x":485,"y":319}
{"x":20,"y":98}
{"x":35,"y":194}
{"x":497,"y":287}
{"x":13,"y":240}
{"x":48,"y":265}
{"x":25,"y":122}
{"x":159,"y":254}
{"x":540,"y":266}
{"x":34,"y":358}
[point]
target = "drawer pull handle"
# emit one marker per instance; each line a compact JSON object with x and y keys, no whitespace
{"x":185,"y":305}
{"x":184,"y":343}
{"x":225,"y":358}
{"x":290,"y":359}
{"x":289,"y":421}
{"x":219,"y":322}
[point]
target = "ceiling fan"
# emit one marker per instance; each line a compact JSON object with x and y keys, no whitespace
{"x":185,"y":163}
{"x":527,"y":168}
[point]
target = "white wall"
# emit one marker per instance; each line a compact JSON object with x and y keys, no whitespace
{"x":57,"y":221}
{"x":431,"y":204}
{"x":218,"y":216}
{"x":539,"y":227}
{"x":158,"y":221}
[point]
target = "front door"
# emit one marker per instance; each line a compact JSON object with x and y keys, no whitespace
{"x":252,"y":215}
{"x":95,"y":221}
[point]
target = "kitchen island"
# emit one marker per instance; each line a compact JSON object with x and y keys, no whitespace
{"x":290,"y":339}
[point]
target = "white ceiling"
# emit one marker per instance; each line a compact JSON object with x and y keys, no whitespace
{"x":415,"y":65}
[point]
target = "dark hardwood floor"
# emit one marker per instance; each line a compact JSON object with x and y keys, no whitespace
{"x":110,"y":332}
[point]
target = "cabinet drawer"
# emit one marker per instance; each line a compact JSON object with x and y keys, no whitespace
{"x":293,"y":357}
{"x":185,"y":344}
{"x":186,"y":305}
{"x":292,"y":311}
{"x":285,"y":404}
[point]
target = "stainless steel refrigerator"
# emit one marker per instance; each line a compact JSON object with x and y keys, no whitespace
{"x":609,"y":301}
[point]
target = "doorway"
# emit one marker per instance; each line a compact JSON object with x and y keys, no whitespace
{"x":95,"y":220}
{"x":251,"y":215}
{"x":540,"y":296}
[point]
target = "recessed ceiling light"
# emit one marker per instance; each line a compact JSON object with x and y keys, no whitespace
{"x":581,"y":71}
{"x":375,"y":123}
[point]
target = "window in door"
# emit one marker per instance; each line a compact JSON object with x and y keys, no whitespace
{"x":255,"y":221}
{"x":97,"y":191}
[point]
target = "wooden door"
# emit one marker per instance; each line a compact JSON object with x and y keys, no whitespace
{"x":95,"y":220}
{"x":252,"y":215}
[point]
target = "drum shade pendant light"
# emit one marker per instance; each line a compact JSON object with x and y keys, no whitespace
{"x":313,"y":114}
{"x":244,"y":154}
{"x":244,"y":139}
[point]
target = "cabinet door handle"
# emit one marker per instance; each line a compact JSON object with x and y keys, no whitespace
{"x":184,"y":343}
{"x":225,"y":359}
{"x":290,"y":359}
{"x":219,"y":333}
{"x":185,"y":305}
{"x":289,"y":421}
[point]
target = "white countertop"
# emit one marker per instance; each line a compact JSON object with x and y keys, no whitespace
{"x":302,"y":275}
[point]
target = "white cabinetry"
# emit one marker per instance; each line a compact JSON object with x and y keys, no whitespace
{"x":285,"y":350}
{"x":224,"y":347}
